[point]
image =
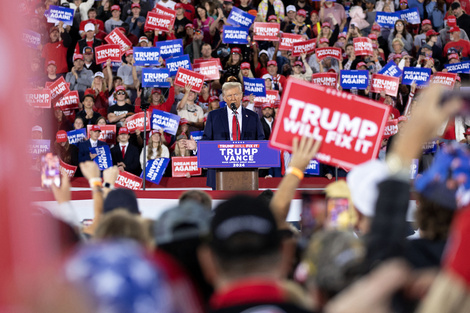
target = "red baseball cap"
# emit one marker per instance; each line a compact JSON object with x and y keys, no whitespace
{"x":120,"y":88}
{"x":178,"y":6}
{"x":426,"y":22}
{"x":246,"y":98}
{"x":342,"y":35}
{"x":135,"y":5}
{"x":183,"y":121}
{"x":376,"y":27}
{"x":314,"y":12}
{"x":130,"y":51}
{"x":326,"y":24}
{"x":467,"y":132}
{"x":451,"y":21}
{"x":267,"y":105}
{"x":213,"y":98}
{"x":143,"y":38}
{"x":189,"y":25}
{"x":271,"y":18}
{"x":123,"y":130}
{"x":360,"y":64}
{"x":115,"y":8}
{"x":156,"y":90}
{"x":403,"y":1}
{"x":53,"y":28}
{"x":51,"y":62}
{"x":397,"y":56}
{"x":237,"y":50}
{"x":272,"y":62}
{"x":78,"y":57}
{"x":324,"y":40}
{"x":245,"y":65}
{"x":454,"y":29}
{"x":453,"y":56}
{"x":61,"y":136}
{"x":302,"y":12}
{"x":95,"y":128}
{"x":298,"y":63}
{"x":431,"y":32}
{"x":458,"y":78}
{"x":372,"y":36}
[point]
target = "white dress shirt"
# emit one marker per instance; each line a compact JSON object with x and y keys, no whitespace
{"x":230,"y":119}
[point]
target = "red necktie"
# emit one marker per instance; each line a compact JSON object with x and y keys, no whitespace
{"x":123,"y":151}
{"x":235,"y":129}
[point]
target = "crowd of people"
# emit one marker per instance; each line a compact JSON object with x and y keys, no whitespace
{"x":111,"y":92}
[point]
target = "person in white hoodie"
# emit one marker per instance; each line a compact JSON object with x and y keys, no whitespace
{"x":83,"y":5}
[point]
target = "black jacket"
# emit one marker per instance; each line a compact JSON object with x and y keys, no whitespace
{"x":131,"y":159}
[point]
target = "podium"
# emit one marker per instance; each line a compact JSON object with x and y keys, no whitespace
{"x":236,"y":179}
{"x":236,"y":163}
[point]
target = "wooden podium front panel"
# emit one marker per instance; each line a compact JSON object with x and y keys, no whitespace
{"x":236,"y":179}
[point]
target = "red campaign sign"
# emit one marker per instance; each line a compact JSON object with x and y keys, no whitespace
{"x":128,"y":180}
{"x":159,"y":22}
{"x":349,"y":126}
{"x":67,"y":168}
{"x":105,"y":52}
{"x":38,"y":98}
{"x":68,"y":102}
{"x":325,"y":79}
{"x":322,"y":53}
{"x":182,"y":166}
{"x":444,"y":79}
{"x":209,"y":69}
{"x":117,"y":37}
{"x":287,"y":41}
{"x":159,"y":9}
{"x":108,"y":133}
{"x":266,"y":31}
{"x":271,"y":97}
{"x":299,"y":48}
{"x":391,"y":128}
{"x":386,"y":83}
{"x":136,"y":121}
{"x":219,"y":65}
{"x":59,"y":88}
{"x":363,"y":46}
{"x":184,"y":77}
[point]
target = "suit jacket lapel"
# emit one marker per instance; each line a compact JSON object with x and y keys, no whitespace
{"x":225,"y":126}
{"x":245,"y":118}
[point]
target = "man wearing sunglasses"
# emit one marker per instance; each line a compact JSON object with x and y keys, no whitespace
{"x":117,"y":113}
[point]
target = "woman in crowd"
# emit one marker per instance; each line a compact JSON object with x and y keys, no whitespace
{"x":399,"y":32}
{"x":203,"y":22}
{"x":67,"y":152}
{"x":157,"y":100}
{"x":79,"y":123}
{"x":155,"y":148}
{"x":232,"y":67}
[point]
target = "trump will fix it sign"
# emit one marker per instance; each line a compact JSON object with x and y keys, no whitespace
{"x":350,"y":127}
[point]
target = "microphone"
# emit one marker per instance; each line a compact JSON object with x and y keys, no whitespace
{"x":233,"y":107}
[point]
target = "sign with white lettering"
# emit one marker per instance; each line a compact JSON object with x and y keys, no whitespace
{"x":117,"y":37}
{"x":235,"y":35}
{"x":105,"y":52}
{"x":349,"y":126}
{"x":266,"y":31}
{"x":38,"y":98}
{"x":103,"y":158}
{"x":241,"y":18}
{"x":145,"y":56}
{"x":184,"y":77}
{"x":155,"y":77}
{"x":185,"y":166}
{"x":128,"y":181}
{"x":354,"y":79}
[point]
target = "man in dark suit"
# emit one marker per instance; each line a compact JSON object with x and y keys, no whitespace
{"x":84,"y":153}
{"x":125,"y":155}
{"x":225,"y":124}
{"x":267,"y":121}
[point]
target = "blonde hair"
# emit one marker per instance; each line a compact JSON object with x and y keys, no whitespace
{"x":399,"y":41}
{"x":103,"y":85}
{"x":150,"y":147}
{"x":178,"y":151}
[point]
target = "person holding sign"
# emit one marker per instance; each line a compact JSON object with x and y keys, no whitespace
{"x":298,"y":69}
{"x":56,"y":49}
{"x":155,"y":148}
{"x":84,"y":146}
{"x":189,"y":110}
{"x":157,"y":100}
{"x":67,"y":153}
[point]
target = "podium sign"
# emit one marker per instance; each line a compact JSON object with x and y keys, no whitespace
{"x":236,"y":154}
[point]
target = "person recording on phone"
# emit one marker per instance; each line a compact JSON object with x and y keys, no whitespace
{"x":232,"y":122}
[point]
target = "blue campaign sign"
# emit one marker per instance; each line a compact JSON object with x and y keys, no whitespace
{"x":241,"y":18}
{"x":39,"y":146}
{"x":416,"y":74}
{"x":173,"y":64}
{"x":255,"y":86}
{"x":155,"y":77}
{"x":391,"y":69}
{"x":76,"y":136}
{"x":222,"y":104}
{"x":31,"y":39}
{"x":411,"y":16}
{"x":430,"y":147}
{"x":236,"y":154}
{"x":354,"y":79}
{"x":235,"y":35}
{"x":170,"y":48}
{"x":57,"y":14}
{"x":104,"y":157}
{"x":385,"y":19}
{"x":155,"y":169}
{"x":167,"y":121}
{"x":313,"y":168}
{"x":145,"y":56}
{"x":197,"y":135}
{"x":463,"y":67}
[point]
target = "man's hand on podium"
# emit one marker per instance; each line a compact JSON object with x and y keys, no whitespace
{"x":190,"y":144}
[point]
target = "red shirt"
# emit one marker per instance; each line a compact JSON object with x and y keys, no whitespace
{"x":166,"y":106}
{"x":188,"y":11}
{"x":463,"y":46}
{"x":57,"y":52}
